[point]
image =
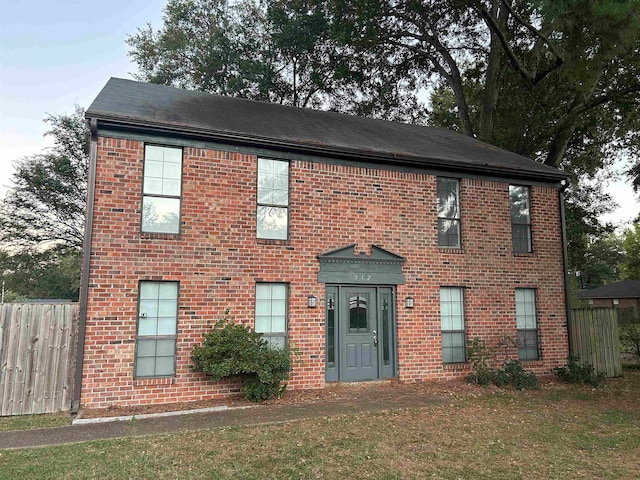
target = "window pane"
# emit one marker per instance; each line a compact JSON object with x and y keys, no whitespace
{"x":172,"y":155}
{"x":166,"y":326}
{"x":279,"y":291}
{"x":153,"y":152}
{"x":153,"y":169}
{"x":276,"y":342}
{"x":263,"y":307}
{"x":145,"y":366}
{"x":272,"y":223}
{"x":172,"y":171}
{"x":278,"y":307}
{"x":146,"y":348}
{"x":167,"y":308}
{"x":263,"y":291}
{"x":149,"y":290}
{"x":519,"y":197}
{"x":168,"y":290}
{"x":448,"y":233}
{"x":160,"y":215}
{"x":166,"y":348}
{"x":147,"y":326}
{"x":448,"y":199}
{"x":149,"y":308}
{"x":263,"y":324}
{"x":164,"y":366}
{"x":171,"y":187}
{"x":278,"y":324}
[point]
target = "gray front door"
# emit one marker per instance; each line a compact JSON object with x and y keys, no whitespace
{"x":360,"y":333}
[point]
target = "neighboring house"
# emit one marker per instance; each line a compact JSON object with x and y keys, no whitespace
{"x":377,"y":249}
{"x":619,"y":294}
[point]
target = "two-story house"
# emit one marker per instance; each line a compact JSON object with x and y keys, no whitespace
{"x":378,"y":249}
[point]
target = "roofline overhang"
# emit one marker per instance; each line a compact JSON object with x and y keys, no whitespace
{"x":320,"y":150}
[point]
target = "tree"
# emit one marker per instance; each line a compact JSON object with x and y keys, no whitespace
{"x":42,"y":215}
{"x":631,"y":264}
{"x":46,"y":204}
{"x":52,"y":273}
{"x":277,"y":51}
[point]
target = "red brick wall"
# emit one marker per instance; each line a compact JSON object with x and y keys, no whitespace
{"x":622,"y":302}
{"x":218,"y":260}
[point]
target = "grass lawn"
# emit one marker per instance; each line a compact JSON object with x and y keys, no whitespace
{"x":556,"y":432}
{"x":28,"y":422}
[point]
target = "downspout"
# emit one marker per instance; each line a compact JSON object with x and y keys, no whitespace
{"x":565,"y":259}
{"x":86,"y":262}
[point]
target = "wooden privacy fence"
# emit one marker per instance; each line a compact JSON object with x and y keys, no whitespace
{"x":37,"y":356}
{"x":594,"y":337}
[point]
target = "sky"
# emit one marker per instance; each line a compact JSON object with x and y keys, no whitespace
{"x":58,"y":53}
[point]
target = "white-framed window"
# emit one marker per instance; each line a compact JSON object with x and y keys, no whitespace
{"x":272,"y":305}
{"x":161,"y":189}
{"x":448,"y":190}
{"x":520,"y":219}
{"x":157,"y":329}
{"x":452,"y":324}
{"x":527,"y":324}
{"x":272,"y":213}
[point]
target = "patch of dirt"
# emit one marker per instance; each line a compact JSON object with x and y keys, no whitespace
{"x":617,"y":393}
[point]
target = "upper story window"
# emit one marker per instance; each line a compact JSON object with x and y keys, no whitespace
{"x":448,"y":190}
{"x":162,"y":189}
{"x":273,"y":199}
{"x":520,"y":219}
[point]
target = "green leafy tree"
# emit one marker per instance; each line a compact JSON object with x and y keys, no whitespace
{"x":631,"y":264}
{"x":42,"y":215}
{"x":46,"y":203}
{"x":278,"y":51}
{"x":52,"y":273}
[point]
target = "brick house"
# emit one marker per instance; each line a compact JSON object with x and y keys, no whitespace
{"x":623,"y":294}
{"x":377,"y":249}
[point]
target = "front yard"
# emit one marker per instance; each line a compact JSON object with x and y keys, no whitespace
{"x":556,"y":432}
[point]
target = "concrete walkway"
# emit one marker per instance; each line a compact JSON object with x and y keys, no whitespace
{"x":370,"y":399}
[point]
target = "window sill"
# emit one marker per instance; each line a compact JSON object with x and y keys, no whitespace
{"x":269,"y":241}
{"x":456,"y":367}
{"x":154,"y":381}
{"x":523,"y":254}
{"x":533,"y":363}
{"x":162,"y":236}
{"x":455,"y":251}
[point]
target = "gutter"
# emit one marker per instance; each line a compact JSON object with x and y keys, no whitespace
{"x":565,"y":260}
{"x":86,"y":263}
{"x":326,"y":150}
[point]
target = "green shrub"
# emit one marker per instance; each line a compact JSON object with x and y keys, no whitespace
{"x":579,"y":373}
{"x":512,"y":372}
{"x":479,"y":355}
{"x":630,"y":339}
{"x":232,"y":350}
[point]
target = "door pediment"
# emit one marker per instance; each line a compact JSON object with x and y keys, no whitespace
{"x":343,"y":266}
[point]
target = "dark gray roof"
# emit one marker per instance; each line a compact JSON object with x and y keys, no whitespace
{"x":623,"y":289}
{"x":230,"y":119}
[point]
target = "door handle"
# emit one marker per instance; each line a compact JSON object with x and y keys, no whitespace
{"x":375,"y":338}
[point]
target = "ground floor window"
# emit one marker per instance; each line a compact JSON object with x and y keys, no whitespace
{"x":452,"y":324}
{"x":271,"y":312}
{"x":157,"y":325}
{"x":527,"y":324}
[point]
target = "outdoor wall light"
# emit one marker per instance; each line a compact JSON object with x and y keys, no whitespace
{"x":408,"y":302}
{"x":312,"y":301}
